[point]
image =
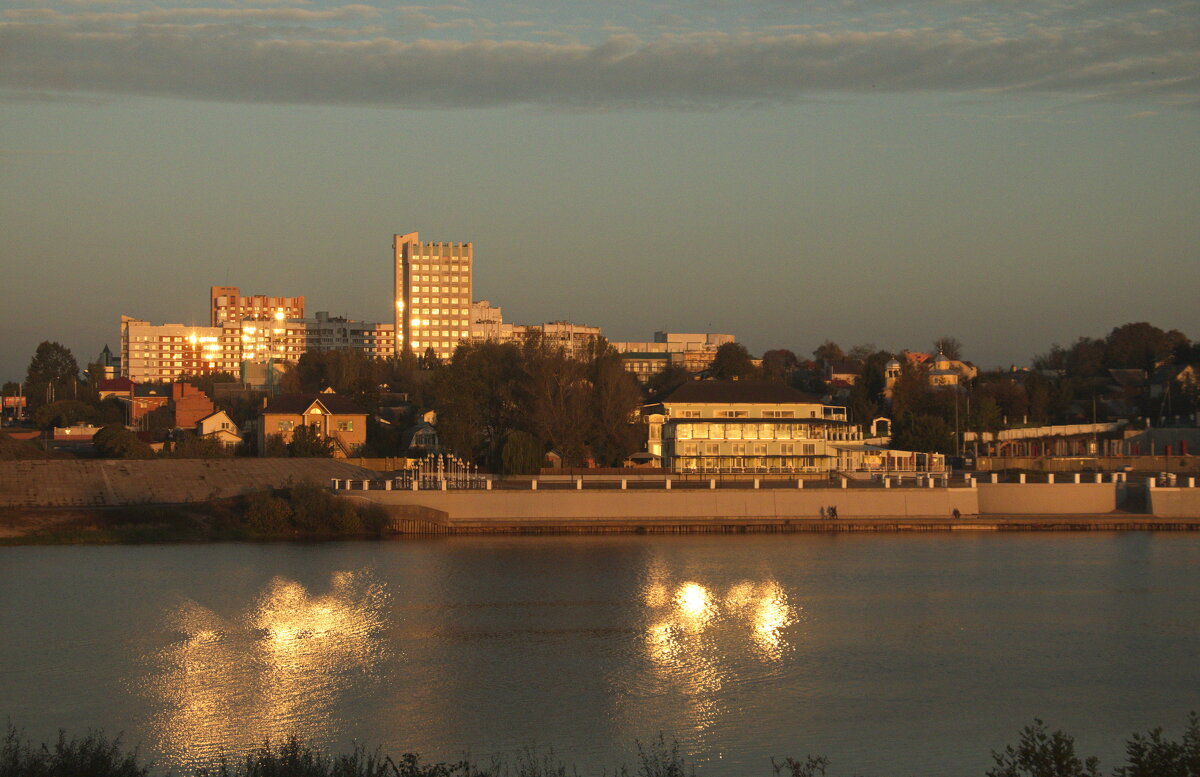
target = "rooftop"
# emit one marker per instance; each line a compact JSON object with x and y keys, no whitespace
{"x":726,"y":392}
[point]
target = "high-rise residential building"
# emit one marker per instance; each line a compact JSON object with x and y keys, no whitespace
{"x":432,"y":295}
{"x":228,"y":304}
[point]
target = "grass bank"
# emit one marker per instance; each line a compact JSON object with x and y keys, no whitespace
{"x":1039,"y":752}
{"x":302,"y":511}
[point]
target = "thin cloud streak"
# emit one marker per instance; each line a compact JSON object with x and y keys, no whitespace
{"x":1118,"y":60}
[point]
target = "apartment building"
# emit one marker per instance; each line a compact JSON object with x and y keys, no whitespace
{"x":163,"y":352}
{"x":330,"y":333}
{"x":487,"y":323}
{"x":692,"y":351}
{"x":432,"y":295}
{"x":228,"y":304}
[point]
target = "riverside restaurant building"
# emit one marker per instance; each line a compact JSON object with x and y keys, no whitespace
{"x":761,"y":427}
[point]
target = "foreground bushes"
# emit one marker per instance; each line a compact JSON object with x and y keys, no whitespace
{"x":303,"y":510}
{"x":1039,"y":753}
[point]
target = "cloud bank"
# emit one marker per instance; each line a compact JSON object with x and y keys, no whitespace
{"x":221,"y":54}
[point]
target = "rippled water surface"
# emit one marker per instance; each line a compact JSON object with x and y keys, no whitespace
{"x":890,"y":654}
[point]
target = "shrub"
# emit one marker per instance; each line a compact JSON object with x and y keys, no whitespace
{"x":266,"y":513}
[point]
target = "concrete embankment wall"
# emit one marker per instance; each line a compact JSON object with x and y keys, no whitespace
{"x":1002,"y":499}
{"x":1174,"y":502}
{"x":517,"y":507}
{"x":108,"y":483}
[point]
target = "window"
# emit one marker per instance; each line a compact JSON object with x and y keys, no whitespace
{"x":345,"y":426}
{"x":760,"y":449}
{"x":711,"y":448}
{"x":787,"y":449}
{"x":286,"y":426}
{"x":779,"y":414}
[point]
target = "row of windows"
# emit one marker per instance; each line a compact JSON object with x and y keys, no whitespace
{"x":734,"y":463}
{"x":342,"y":426}
{"x":743,"y":449}
{"x":763,"y":431}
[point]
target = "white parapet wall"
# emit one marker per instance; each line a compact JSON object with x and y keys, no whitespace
{"x":1173,"y":502}
{"x":1001,"y":499}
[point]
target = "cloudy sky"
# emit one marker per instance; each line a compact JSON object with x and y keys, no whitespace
{"x":1010,"y":172}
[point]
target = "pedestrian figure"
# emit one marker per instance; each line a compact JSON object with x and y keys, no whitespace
{"x":822,"y":511}
{"x":957,"y":514}
{"x":833,"y":513}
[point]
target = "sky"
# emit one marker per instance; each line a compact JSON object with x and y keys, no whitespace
{"x":1011,"y":173}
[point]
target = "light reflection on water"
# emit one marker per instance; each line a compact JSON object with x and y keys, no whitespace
{"x":693,"y":632}
{"x":892,"y":655}
{"x":280,"y":667}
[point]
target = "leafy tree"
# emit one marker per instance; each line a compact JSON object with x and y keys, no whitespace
{"x":615,"y":399}
{"x":560,"y":398}
{"x":522,"y":454}
{"x":51,"y":369}
{"x":1153,"y":756}
{"x":663,"y":383}
{"x":828,"y":351}
{"x":192,"y":446}
{"x":732,"y":362}
{"x":1140,"y":346}
{"x":925,"y":433}
{"x":65,"y":412}
{"x":479,"y":396}
{"x":1042,"y":754}
{"x":274,"y":447}
{"x":307,"y":443}
{"x":948,"y":346}
{"x":861,"y":352}
{"x":52,"y":363}
{"x":117,"y":442}
{"x":779,"y":364}
{"x":809,"y":378}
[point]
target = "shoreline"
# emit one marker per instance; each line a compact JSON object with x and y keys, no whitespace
{"x":182,"y":523}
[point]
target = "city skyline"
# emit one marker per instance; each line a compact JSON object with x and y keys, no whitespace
{"x":1011,"y":176}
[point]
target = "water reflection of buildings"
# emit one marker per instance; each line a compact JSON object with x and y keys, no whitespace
{"x":276,"y":669}
{"x":696,"y":637}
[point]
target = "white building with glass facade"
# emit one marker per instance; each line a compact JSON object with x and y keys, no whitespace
{"x":720,"y":426}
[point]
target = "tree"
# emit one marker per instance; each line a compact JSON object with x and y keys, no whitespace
{"x":663,"y":383}
{"x":1139,"y":346}
{"x":828,"y":351}
{"x":51,"y":369}
{"x":950,"y":347}
{"x":926,"y":433}
{"x":615,"y":398}
{"x":117,"y":442}
{"x":308,"y":443}
{"x":732,"y":362}
{"x":778,"y":364}
{"x":1042,"y":754}
{"x":65,"y":412}
{"x":521,"y":455}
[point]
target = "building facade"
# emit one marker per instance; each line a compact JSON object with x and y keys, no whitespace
{"x":164,"y":352}
{"x":692,"y":351}
{"x":333,"y":416}
{"x":719,"y":426}
{"x":228,"y":305}
{"x":432,"y":295}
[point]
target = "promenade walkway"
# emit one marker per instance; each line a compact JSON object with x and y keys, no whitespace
{"x":112,"y":483}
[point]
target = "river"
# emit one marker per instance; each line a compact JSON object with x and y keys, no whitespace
{"x":889,"y":654}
